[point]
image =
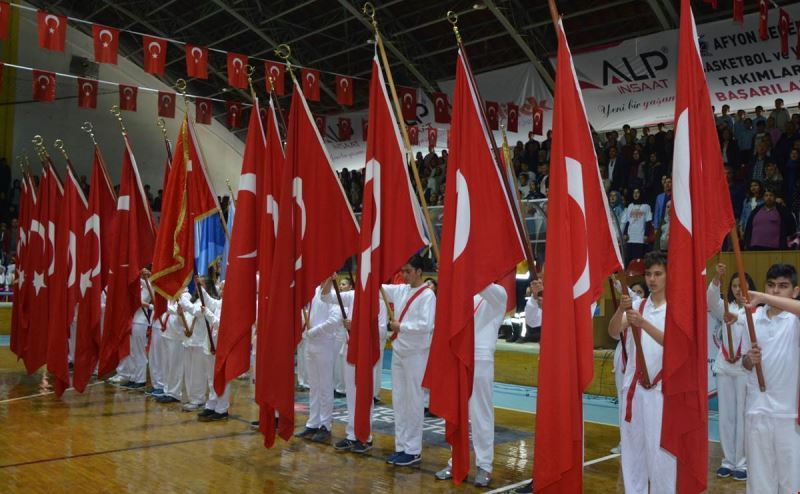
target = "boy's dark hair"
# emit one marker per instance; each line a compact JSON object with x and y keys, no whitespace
{"x":750,"y":283}
{"x":782,"y":271}
{"x":653,"y":258}
{"x":417,"y":262}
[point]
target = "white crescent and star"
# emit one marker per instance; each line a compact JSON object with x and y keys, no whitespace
{"x":43,"y":81}
{"x":157,"y":46}
{"x":197,"y":54}
{"x":88,"y":88}
{"x":166,"y":100}
{"x":575,"y":191}
{"x":47,"y":19}
{"x":128,"y":92}
{"x":373,"y":170}
{"x":275,"y":71}
{"x":237,"y":64}
{"x":110,"y":37}
{"x":463,"y":216}
{"x":297,"y":194}
{"x":345,"y":83}
{"x":311,"y":78}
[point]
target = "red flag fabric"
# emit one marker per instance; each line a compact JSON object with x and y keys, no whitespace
{"x":155,"y":54}
{"x":441,"y":108}
{"x":538,"y":121}
{"x":233,"y":110}
{"x":408,"y":102}
{"x":365,"y":128}
{"x":763,"y":13}
{"x":44,"y":86}
{"x":203,"y":111}
{"x":583,"y":248}
{"x":433,"y":135}
{"x":197,"y":61}
{"x":106,"y":44}
{"x":93,"y":267}
{"x":5,"y":10}
{"x":493,"y":114}
{"x":480,"y":244}
{"x":52,"y":30}
{"x":310,"y":79}
{"x":513,"y":117}
{"x":127,"y":97}
{"x":276,"y":71}
{"x":237,"y":73}
{"x":19,"y":309}
{"x":700,"y":218}
{"x":783,"y":29}
{"x":738,"y":11}
{"x":64,"y":281}
{"x":166,"y":104}
{"x":345,"y":129}
{"x":344,"y":90}
{"x":319,"y":120}
{"x":132,"y":249}
{"x":509,"y":284}
{"x":316,"y":233}
{"x":413,"y":136}
{"x":87,"y":93}
{"x":713,"y":3}
{"x":391,"y":233}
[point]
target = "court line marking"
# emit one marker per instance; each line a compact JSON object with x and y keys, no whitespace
{"x":602,"y":459}
{"x":520,"y":484}
{"x":10,"y":400}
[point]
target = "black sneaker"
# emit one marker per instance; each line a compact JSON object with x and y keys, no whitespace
{"x":306,"y":432}
{"x":344,"y":445}
{"x":525,"y":489}
{"x":323,"y":435}
{"x":206,"y":412}
{"x":338,"y":394}
{"x":430,"y":415}
{"x":407,"y":460}
{"x":166,"y":399}
{"x":214,"y":417}
{"x":361,"y":448}
{"x":376,"y":401}
{"x":132,"y":385}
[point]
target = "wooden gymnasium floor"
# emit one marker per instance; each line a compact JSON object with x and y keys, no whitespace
{"x":114,"y":440}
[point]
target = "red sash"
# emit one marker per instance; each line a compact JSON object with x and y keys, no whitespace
{"x":405,"y":309}
{"x":637,"y":378}
{"x":728,"y":357}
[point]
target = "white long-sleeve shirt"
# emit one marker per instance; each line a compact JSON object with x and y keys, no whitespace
{"x":533,"y":312}
{"x":139,"y":317}
{"x":348,"y":300}
{"x":416,"y":328}
{"x":489,"y":307}
{"x":716,"y":310}
{"x":323,"y":319}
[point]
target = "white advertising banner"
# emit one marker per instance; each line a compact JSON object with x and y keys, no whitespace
{"x":633,"y":82}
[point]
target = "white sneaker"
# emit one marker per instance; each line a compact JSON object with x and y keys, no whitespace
{"x":191,"y":407}
{"x":118,"y":379}
{"x":616,"y":449}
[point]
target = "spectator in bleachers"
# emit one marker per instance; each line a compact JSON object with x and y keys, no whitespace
{"x":759,"y":160}
{"x":617,"y":206}
{"x":790,"y":175}
{"x":725,"y":118}
{"x":773,"y":131}
{"x":730,"y":150}
{"x":661,"y":201}
{"x":759,"y":118}
{"x":744,"y":133}
{"x":780,"y":115}
{"x":769,"y":225}
{"x":636,"y":172}
{"x":617,"y":169}
{"x":736,"y":191}
{"x":754,"y":199}
{"x":635,"y":228}
{"x":772,"y":178}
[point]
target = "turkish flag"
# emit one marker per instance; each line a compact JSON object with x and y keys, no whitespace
{"x":155,"y":54}
{"x":132,"y":249}
{"x":203,"y":110}
{"x":481,"y":249}
{"x":72,"y":215}
{"x":408,"y":102}
{"x":127,"y":97}
{"x":783,"y":29}
{"x":106,"y":44}
{"x":345,"y":129}
{"x":319,"y":120}
{"x":93,"y":266}
{"x":493,"y":114}
{"x":20,"y":310}
{"x":364,"y":129}
{"x":317,"y":232}
{"x":433,"y":134}
{"x":538,"y":121}
{"x":44,"y":85}
{"x":233,"y":110}
{"x":310,"y":84}
{"x":700,"y":218}
{"x":275,"y":71}
{"x":763,"y":13}
{"x":583,"y":248}
{"x":512,"y":121}
{"x":344,"y":90}
{"x":52,"y":30}
{"x":441,"y":108}
{"x":237,"y":70}
{"x":87,"y":93}
{"x":738,"y":11}
{"x":388,"y":200}
{"x":166,"y":104}
{"x":5,"y":10}
{"x":413,"y":135}
{"x":197,"y":61}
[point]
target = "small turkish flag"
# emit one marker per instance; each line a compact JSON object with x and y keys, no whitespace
{"x":344,"y":90}
{"x":492,"y":110}
{"x":364,"y":129}
{"x":433,"y":135}
{"x":783,"y":29}
{"x":203,"y":110}
{"x":197,"y":61}
{"x":345,"y":129}
{"x":310,"y":84}
{"x":166,"y":104}
{"x":738,"y":11}
{"x":87,"y":93}
{"x":763,"y":12}
{"x":408,"y":102}
{"x":234,"y":110}
{"x":513,"y":117}
{"x":275,"y":71}
{"x":44,"y":85}
{"x":155,"y":54}
{"x":106,"y":42}
{"x":52,"y":30}
{"x":538,"y":118}
{"x":5,"y":8}
{"x":127,"y":97}
{"x":320,"y":121}
{"x":441,"y":110}
{"x":413,"y":135}
{"x":237,"y":73}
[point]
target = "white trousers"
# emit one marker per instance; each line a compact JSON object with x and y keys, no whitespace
{"x":216,"y":402}
{"x":731,"y":392}
{"x":378,"y":377}
{"x":339,"y":365}
{"x":773,"y":453}
{"x":155,"y":359}
{"x":481,"y":415}
{"x":643,"y":459}
{"x":350,"y":385}
{"x":73,"y":328}
{"x":319,"y":366}
{"x":195,"y":374}
{"x":134,"y":366}
{"x":408,"y":399}
{"x":302,"y":371}
{"x":173,"y":368}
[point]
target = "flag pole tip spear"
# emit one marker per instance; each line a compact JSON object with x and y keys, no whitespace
{"x":116,"y":112}
{"x":181,"y":86}
{"x":250,"y":71}
{"x":369,"y":10}
{"x":161,"y":124}
{"x":452,"y":18}
{"x":89,"y":129}
{"x":59,"y":144}
{"x":284,"y":51}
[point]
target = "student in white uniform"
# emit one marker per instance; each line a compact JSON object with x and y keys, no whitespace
{"x":772,"y":429}
{"x":489,"y":307}
{"x":132,"y":371}
{"x":173,"y":337}
{"x":341,"y":347}
{"x":646,"y":467}
{"x":216,"y":407}
{"x":323,"y":319}
{"x":412,"y":332}
{"x":195,"y":362}
{"x":731,"y":377}
{"x":155,"y":354}
{"x":533,"y":310}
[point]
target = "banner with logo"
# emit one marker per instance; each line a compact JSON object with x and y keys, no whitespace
{"x":633,"y":82}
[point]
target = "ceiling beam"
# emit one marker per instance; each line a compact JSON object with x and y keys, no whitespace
{"x":655,"y":6}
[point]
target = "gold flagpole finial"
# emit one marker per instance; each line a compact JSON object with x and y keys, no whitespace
{"x":181,"y":86}
{"x":369,"y":10}
{"x":87,"y":127}
{"x":285,"y":52}
{"x":161,"y":124}
{"x":116,"y":112}
{"x":452,"y":18}
{"x":38,"y":145}
{"x":59,"y":144}
{"x":250,"y":71}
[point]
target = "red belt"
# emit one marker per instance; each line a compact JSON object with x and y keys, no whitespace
{"x":637,"y":380}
